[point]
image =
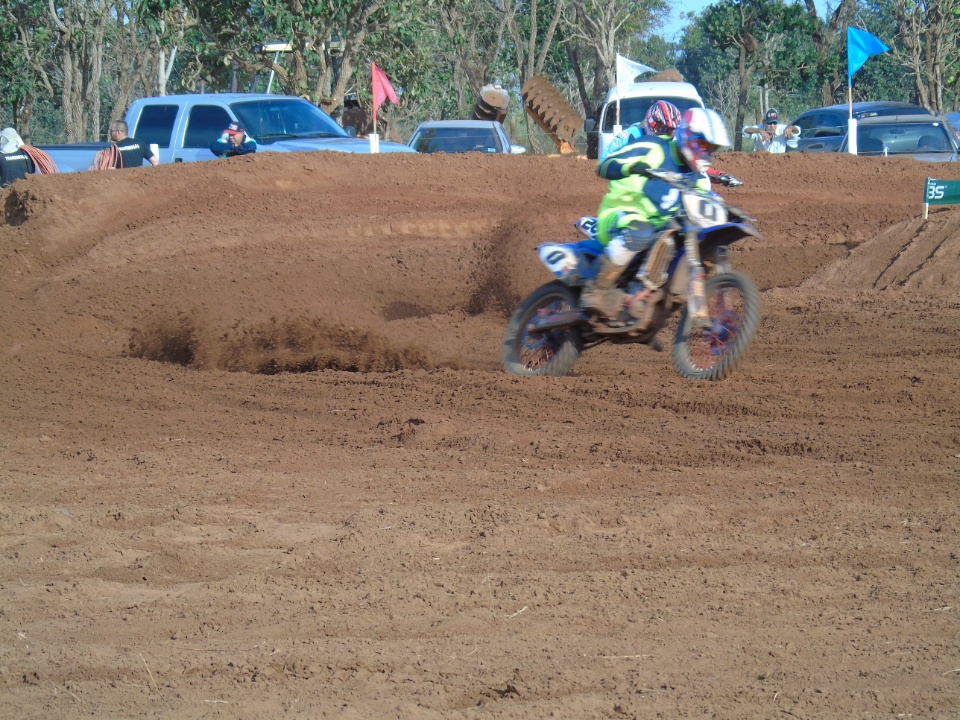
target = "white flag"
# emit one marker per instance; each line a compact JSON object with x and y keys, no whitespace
{"x":627,"y":70}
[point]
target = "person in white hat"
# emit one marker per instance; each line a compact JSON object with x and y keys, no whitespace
{"x":10,"y":141}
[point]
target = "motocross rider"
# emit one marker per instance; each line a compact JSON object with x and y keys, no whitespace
{"x":636,"y":209}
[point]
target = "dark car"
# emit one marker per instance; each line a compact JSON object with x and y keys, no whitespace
{"x":823,"y":129}
{"x":930,"y":138}
{"x":457,"y":136}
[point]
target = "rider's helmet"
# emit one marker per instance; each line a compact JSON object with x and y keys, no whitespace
{"x":662,"y":118}
{"x":700,"y":134}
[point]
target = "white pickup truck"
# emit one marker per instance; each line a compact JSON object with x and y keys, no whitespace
{"x":182,"y":128}
{"x":628,"y":105}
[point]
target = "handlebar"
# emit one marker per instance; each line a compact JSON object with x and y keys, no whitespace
{"x":677,"y":180}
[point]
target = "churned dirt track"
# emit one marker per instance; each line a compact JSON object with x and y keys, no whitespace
{"x":258,"y":458}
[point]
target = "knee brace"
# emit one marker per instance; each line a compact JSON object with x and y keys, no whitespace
{"x":653,"y":274}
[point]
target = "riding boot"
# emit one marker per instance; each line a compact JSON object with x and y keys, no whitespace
{"x":600,"y":294}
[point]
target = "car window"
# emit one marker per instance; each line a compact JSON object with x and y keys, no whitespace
{"x":804,"y":122}
{"x":456,"y":140}
{"x":273,"y":119}
{"x":204,"y":125}
{"x":155,"y":124}
{"x":903,"y":139}
{"x":633,"y":110}
{"x":830,"y":124}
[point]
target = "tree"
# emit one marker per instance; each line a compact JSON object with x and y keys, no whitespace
{"x":24,"y":60}
{"x":712,"y":70}
{"x":828,"y":39}
{"x":928,"y":34}
{"x":608,"y":26}
{"x":760,"y":33}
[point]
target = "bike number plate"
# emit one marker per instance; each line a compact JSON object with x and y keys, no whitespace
{"x":703,"y":210}
{"x":560,"y":259}
{"x":588,"y":226}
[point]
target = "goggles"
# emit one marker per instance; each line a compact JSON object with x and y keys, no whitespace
{"x":702,"y":146}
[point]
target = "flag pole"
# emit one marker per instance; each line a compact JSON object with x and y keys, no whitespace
{"x":851,"y":122}
{"x":374,"y":138}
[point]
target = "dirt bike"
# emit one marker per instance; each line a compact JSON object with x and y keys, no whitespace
{"x":548,"y":332}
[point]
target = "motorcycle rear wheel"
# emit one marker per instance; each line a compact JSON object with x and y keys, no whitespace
{"x":551,"y":352}
{"x":714,"y":352}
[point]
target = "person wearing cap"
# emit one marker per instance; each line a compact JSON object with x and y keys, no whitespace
{"x":131,"y":153}
{"x":14,"y":162}
{"x":772,"y":136}
{"x":233,"y":141}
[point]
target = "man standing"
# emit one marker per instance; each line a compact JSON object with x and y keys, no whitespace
{"x":132,"y":153}
{"x":233,"y":141}
{"x":772,"y":136}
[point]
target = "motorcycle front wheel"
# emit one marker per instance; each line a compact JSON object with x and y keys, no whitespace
{"x":712,"y":353}
{"x":550,"y":352}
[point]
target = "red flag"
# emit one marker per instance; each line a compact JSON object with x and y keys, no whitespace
{"x":382,"y":90}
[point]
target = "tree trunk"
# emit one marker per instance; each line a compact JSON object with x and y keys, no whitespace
{"x":744,"y":73}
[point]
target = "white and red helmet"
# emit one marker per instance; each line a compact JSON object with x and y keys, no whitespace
{"x":662,"y":118}
{"x":700,"y":134}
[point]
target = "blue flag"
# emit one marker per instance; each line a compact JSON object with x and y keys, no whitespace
{"x":860,"y":46}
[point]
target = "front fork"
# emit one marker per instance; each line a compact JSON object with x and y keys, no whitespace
{"x":721,"y":260}
{"x":696,"y":295}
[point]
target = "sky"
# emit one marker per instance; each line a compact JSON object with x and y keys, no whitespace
{"x":675,"y":25}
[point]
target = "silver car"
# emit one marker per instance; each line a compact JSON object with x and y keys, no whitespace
{"x":823,"y":129}
{"x":458,"y":136}
{"x":924,"y":137}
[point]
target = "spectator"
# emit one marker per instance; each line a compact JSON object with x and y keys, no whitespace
{"x":233,"y":141}
{"x":772,"y":136}
{"x":931,"y":143}
{"x":130,"y":153}
{"x":14,"y":162}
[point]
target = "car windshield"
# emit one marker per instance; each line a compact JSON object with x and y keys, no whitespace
{"x":902,"y":139}
{"x":633,"y":110}
{"x":456,"y":140}
{"x":285,"y":117}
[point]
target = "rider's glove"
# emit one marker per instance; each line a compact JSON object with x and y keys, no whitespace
{"x":729,"y":180}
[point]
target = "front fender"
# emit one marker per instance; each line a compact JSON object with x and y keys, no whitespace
{"x":720,"y":235}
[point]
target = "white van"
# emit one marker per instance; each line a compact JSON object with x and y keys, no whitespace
{"x":635,"y":100}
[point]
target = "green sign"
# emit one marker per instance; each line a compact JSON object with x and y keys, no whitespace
{"x":942,"y":192}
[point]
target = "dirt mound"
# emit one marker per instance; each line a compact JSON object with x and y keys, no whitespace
{"x":917,"y":255}
{"x":259,"y":456}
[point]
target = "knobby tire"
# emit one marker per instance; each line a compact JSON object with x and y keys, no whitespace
{"x":553,"y":352}
{"x":730,"y":335}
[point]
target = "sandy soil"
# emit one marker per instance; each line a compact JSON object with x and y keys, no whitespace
{"x":258,"y":458}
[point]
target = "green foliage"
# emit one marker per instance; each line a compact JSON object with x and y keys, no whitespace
{"x":436,"y":51}
{"x":881,"y":77}
{"x":22,"y":35}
